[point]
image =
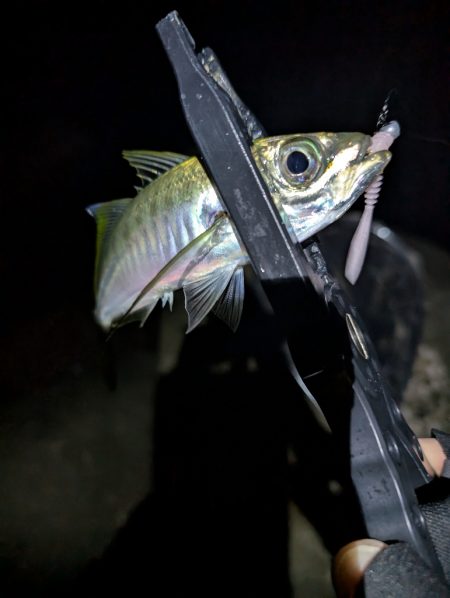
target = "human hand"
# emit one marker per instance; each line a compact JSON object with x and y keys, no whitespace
{"x":353,"y":559}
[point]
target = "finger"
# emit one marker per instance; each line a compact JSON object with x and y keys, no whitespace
{"x":434,"y":456}
{"x":351,"y":562}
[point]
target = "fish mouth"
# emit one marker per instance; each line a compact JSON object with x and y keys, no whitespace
{"x":360,"y":173}
{"x":366,"y":169}
{"x":363,"y":170}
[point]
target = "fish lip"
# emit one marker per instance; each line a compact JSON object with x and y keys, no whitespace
{"x":383,"y":157}
{"x":372,"y":164}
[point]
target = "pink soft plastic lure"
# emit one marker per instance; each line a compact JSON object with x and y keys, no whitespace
{"x":381,"y":140}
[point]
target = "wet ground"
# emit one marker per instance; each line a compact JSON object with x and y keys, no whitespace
{"x":77,"y":439}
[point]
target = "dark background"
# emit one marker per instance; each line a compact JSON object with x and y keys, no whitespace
{"x":82,"y":82}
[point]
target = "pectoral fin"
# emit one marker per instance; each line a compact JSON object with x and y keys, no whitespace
{"x":229,"y":307}
{"x":204,"y":292}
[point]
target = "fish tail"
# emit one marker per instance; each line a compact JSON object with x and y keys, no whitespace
{"x":106,"y":217}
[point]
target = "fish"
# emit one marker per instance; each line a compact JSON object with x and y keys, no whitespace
{"x":176,"y":234}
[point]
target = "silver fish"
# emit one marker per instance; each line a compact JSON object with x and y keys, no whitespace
{"x":176,"y":234}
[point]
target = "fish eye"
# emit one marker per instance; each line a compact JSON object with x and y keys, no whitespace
{"x":300,"y":161}
{"x":297,"y":162}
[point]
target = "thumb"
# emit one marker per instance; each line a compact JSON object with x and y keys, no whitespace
{"x":351,"y":562}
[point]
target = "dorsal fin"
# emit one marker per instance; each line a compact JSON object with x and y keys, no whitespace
{"x":106,"y":216}
{"x":150,"y":165}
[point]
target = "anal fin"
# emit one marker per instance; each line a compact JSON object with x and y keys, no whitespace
{"x":167,"y":299}
{"x":138,"y":315}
